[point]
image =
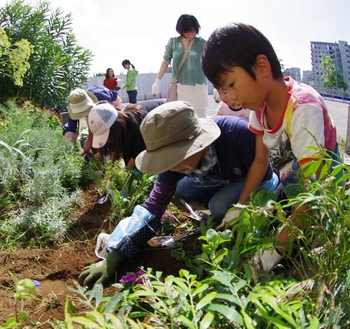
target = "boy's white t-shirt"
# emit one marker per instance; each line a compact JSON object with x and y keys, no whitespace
{"x":305,"y":122}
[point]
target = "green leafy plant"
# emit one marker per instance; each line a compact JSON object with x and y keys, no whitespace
{"x":127,"y":188}
{"x":14,"y":58}
{"x":57,"y":64}
{"x":24,"y":290}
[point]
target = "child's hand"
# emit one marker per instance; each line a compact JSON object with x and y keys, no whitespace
{"x":230,"y":219}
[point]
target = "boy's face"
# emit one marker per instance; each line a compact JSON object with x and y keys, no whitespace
{"x":242,"y":89}
{"x":188,"y":165}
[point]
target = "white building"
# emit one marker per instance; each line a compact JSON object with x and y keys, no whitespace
{"x":339,"y":52}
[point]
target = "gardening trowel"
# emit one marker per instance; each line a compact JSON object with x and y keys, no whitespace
{"x":197,"y":215}
{"x":168,"y":241}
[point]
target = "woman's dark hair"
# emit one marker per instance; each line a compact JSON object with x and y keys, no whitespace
{"x":123,"y":133}
{"x":236,"y":44}
{"x":187,"y":23}
{"x":107,"y":76}
{"x":126,"y":61}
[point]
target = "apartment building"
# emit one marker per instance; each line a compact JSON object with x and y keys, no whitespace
{"x":293,"y":72}
{"x":308,"y":77}
{"x":339,"y":52}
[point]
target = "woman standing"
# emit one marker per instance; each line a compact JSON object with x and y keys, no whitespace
{"x":130,"y":84}
{"x":110,"y":81}
{"x":192,"y":85}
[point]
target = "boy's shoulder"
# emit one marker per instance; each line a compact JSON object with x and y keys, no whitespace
{"x":302,"y":93}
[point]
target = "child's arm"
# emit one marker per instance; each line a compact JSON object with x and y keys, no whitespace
{"x":257,"y":170}
{"x":254,"y":178}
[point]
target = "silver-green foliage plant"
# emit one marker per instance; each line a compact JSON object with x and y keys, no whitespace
{"x":42,"y":175}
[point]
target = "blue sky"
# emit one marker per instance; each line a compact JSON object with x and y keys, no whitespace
{"x":138,"y":30}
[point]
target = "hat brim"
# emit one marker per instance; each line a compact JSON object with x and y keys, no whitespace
{"x":85,"y":113}
{"x":161,"y":160}
{"x":92,"y":96}
{"x":99,"y":141}
{"x":80,"y":115}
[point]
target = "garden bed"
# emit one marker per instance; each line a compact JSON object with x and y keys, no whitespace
{"x":56,"y":269}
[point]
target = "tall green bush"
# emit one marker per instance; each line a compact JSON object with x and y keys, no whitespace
{"x":57,"y":64}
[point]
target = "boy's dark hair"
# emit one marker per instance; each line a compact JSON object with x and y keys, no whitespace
{"x":187,"y":23}
{"x":236,"y":44}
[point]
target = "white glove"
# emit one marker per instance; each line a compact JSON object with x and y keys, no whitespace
{"x":156,"y":87}
{"x":268,"y":258}
{"x":229,"y":218}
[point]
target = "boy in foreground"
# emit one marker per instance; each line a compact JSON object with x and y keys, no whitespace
{"x":288,"y":117}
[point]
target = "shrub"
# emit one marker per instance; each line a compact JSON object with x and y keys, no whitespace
{"x":57,"y":64}
{"x":41,"y":176}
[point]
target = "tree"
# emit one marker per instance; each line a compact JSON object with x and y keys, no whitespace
{"x":14,"y":58}
{"x":332,"y":77}
{"x":57,"y":64}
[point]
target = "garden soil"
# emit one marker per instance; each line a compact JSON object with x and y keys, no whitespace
{"x":57,"y":268}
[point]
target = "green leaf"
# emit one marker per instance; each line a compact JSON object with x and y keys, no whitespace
{"x":230,"y":298}
{"x":229,"y":313}
{"x":206,"y":321}
{"x":205,"y":300}
{"x":200,"y":288}
{"x":11,"y":323}
{"x":188,"y":323}
{"x":85,"y":322}
{"x":113,"y":302}
{"x":23,"y":316}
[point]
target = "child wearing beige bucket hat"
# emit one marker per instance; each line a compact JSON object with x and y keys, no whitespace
{"x":198,"y":159}
{"x":80,"y":104}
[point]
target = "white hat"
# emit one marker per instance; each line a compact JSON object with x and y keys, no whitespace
{"x":101,"y":118}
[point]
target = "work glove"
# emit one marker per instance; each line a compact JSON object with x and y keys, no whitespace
{"x":230,"y":219}
{"x":101,"y":272}
{"x":267,"y":259}
{"x":156,"y":87}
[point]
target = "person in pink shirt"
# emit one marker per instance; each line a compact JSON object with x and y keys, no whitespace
{"x":234,"y":109}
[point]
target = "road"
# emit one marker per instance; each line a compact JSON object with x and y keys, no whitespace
{"x":339,"y":112}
